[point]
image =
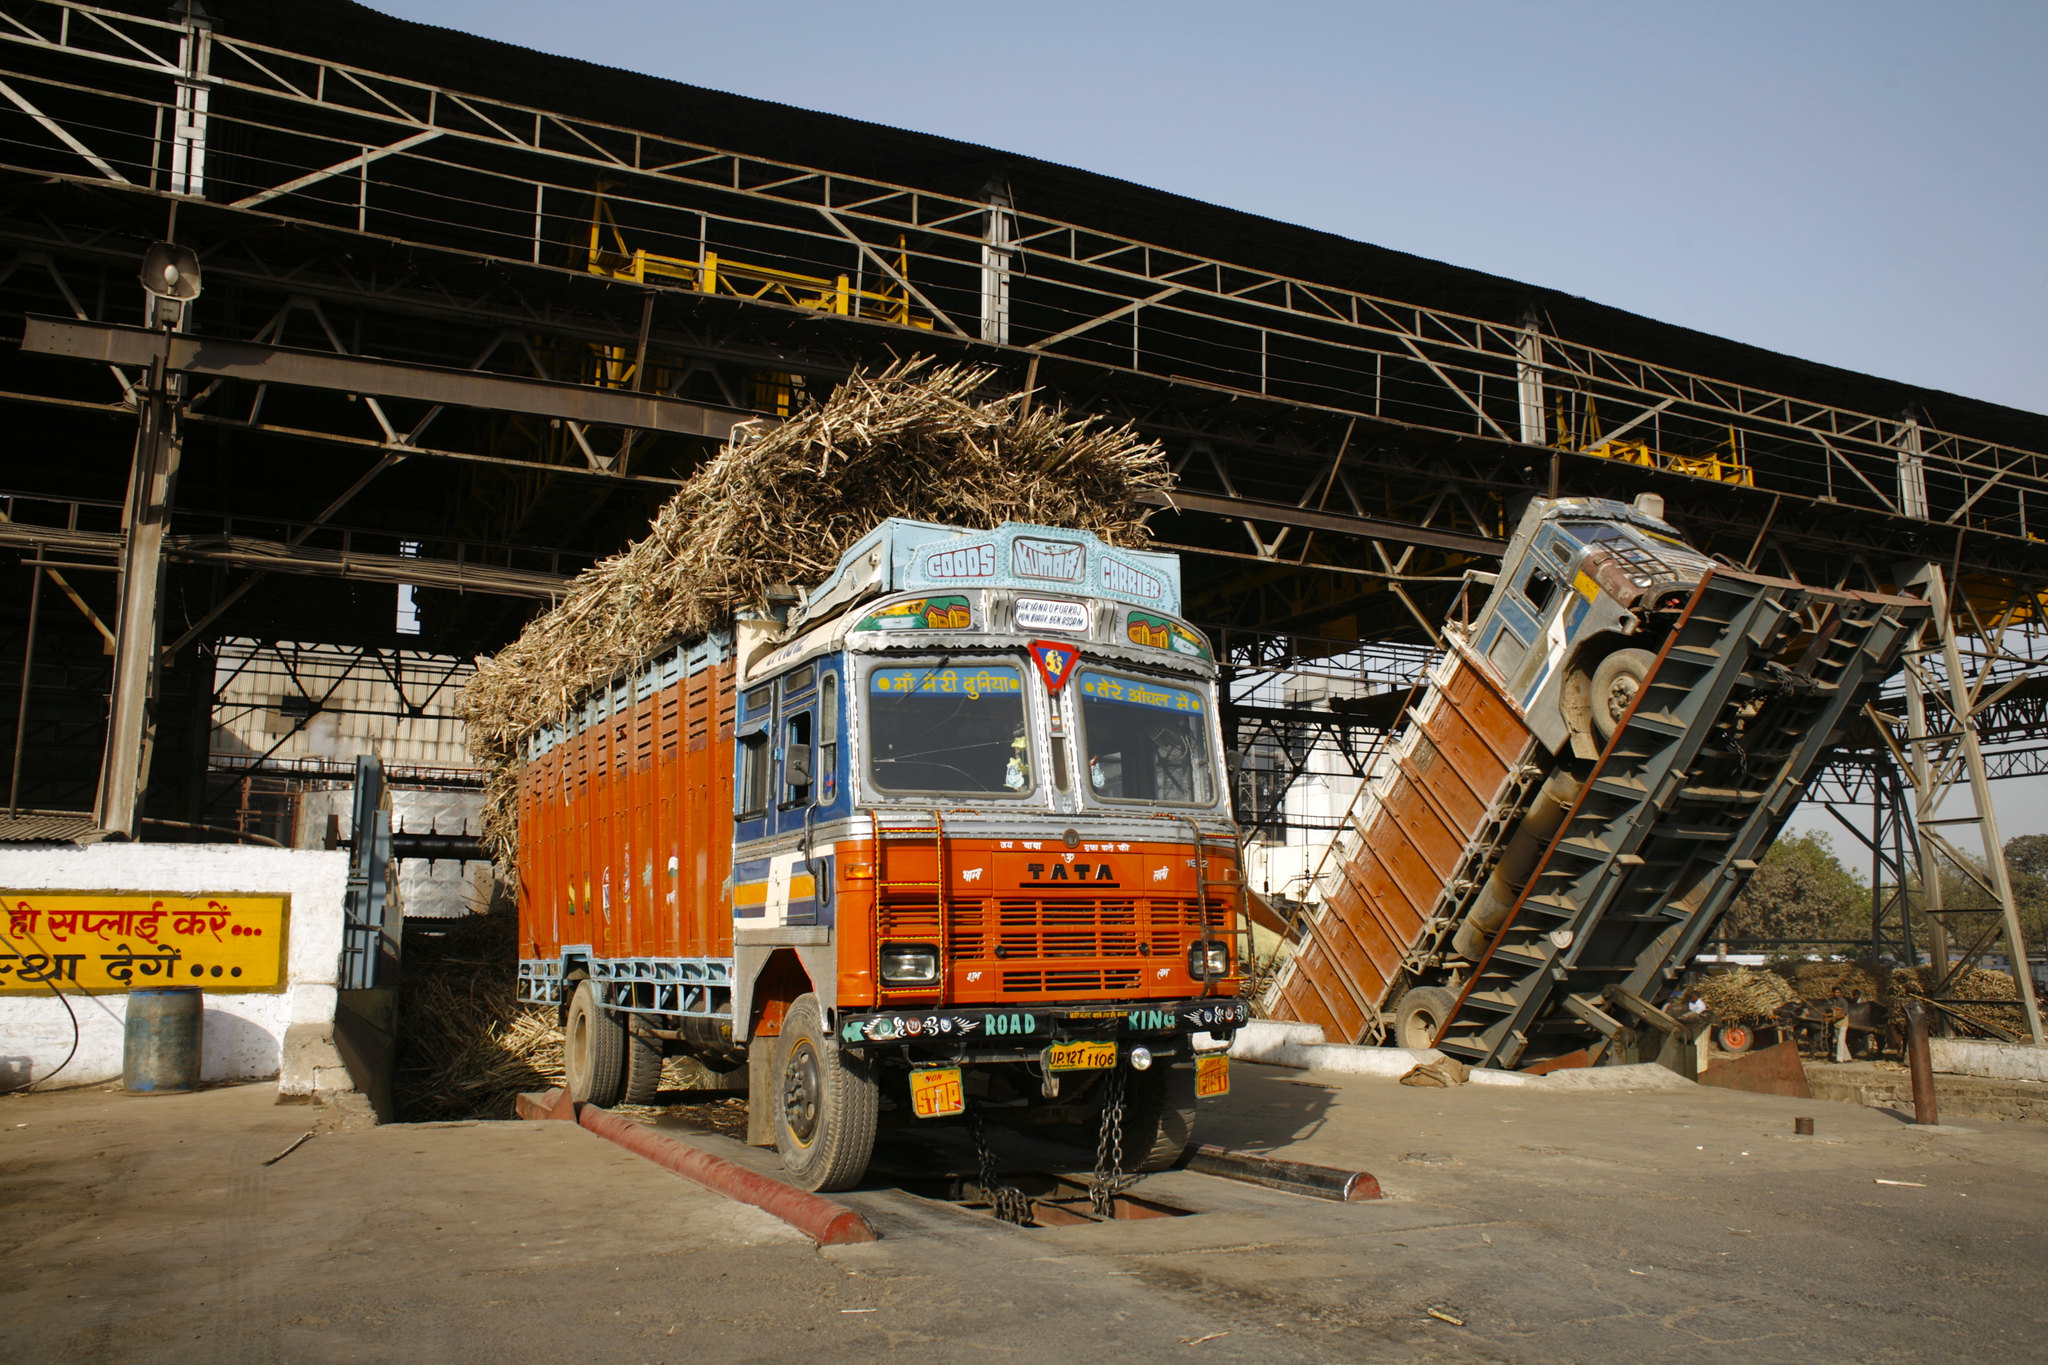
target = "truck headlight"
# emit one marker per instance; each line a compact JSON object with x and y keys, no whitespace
{"x":1207,"y":959}
{"x":910,"y":964}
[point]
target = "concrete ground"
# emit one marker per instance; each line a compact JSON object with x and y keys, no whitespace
{"x":1682,"y":1225}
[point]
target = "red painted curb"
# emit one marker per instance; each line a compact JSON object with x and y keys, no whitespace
{"x":821,"y":1220}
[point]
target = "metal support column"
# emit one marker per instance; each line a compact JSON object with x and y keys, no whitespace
{"x":131,"y":724}
{"x":1921,"y":771}
{"x":1912,"y":468}
{"x":28,"y":663}
{"x":1936,"y":759}
{"x":188,"y":125}
{"x":998,"y":254}
{"x":1529,"y":383}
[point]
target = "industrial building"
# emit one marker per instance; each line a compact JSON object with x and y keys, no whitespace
{"x":333,"y":345}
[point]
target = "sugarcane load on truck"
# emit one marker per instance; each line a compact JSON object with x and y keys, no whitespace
{"x":944,"y":829}
{"x":1586,"y":779}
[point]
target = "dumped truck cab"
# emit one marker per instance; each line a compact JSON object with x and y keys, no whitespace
{"x":956,"y":831}
{"x":1593,"y":769}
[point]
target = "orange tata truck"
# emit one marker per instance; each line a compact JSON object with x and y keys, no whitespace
{"x":955,"y":831}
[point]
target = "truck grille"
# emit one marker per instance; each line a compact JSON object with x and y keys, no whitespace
{"x":1053,"y":947}
{"x":1069,"y":983}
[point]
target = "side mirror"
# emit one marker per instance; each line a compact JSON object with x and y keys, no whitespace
{"x":796,"y":766}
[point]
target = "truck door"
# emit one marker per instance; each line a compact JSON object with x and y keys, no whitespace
{"x":1524,"y":610}
{"x":1543,"y":589}
{"x":795,"y":874}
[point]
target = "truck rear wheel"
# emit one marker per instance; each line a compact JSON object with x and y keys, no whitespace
{"x":825,"y":1103}
{"x":1159,"y":1116}
{"x":594,"y":1050}
{"x":1615,"y":684}
{"x":1421,"y":1016}
{"x":643,"y":1069}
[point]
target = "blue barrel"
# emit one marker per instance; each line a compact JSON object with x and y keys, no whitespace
{"x":160,"y":1045}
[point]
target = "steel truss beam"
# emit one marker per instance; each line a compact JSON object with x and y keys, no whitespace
{"x":214,"y":358}
{"x":285,"y":557}
{"x":1246,"y":330}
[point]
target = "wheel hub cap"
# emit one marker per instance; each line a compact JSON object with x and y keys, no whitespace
{"x":801,"y":1088}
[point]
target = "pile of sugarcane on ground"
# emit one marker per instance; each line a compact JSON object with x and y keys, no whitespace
{"x":466,"y":1046}
{"x":1754,"y":995}
{"x":1745,"y":995}
{"x":1979,"y":983}
{"x":777,"y":507}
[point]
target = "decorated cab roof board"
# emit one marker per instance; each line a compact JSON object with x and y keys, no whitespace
{"x":902,"y":555}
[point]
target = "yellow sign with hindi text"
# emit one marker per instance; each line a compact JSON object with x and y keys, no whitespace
{"x":109,"y":942}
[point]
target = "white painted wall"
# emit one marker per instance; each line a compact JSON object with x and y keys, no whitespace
{"x":244,"y":1034}
{"x":1999,"y":1061}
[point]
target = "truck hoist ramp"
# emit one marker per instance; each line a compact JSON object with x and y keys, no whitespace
{"x":1748,"y":691}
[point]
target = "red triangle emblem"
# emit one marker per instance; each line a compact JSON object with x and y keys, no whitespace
{"x":1055,"y":662}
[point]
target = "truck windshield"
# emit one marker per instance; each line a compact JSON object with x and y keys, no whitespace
{"x":1639,"y":549}
{"x":947,"y":727}
{"x":1146,"y":741}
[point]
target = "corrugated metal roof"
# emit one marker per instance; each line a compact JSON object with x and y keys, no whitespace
{"x":44,"y":827}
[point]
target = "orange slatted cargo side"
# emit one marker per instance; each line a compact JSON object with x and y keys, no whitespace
{"x":1431,"y":807}
{"x":626,"y":830}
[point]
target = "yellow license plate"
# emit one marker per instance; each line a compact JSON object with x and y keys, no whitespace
{"x":935,"y":1092}
{"x":1212,"y":1076}
{"x":1081,"y":1056}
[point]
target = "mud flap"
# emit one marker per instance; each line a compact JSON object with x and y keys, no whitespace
{"x":761,"y":1092}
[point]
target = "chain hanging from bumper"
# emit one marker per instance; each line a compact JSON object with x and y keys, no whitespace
{"x":1006,"y":1202}
{"x":1110,"y":1178}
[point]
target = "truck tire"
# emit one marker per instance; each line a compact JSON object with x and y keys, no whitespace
{"x":1421,"y":1016}
{"x":593,"y":1050}
{"x":1735,"y":1037}
{"x":1615,"y":684}
{"x":1159,"y":1116}
{"x":825,"y":1103}
{"x":643,"y":1069}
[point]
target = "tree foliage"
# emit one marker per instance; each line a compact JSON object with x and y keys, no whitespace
{"x":2026,"y":858}
{"x":1801,"y":891}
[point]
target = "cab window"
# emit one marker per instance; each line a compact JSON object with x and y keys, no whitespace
{"x":1146,"y":741}
{"x":955,"y":728}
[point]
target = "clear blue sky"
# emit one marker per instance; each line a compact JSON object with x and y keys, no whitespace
{"x":1858,"y":183}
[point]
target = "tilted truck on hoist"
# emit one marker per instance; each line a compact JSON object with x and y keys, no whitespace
{"x":955,"y":832}
{"x":1592,"y":770}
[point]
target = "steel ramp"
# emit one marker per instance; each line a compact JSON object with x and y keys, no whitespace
{"x":1698,"y":779}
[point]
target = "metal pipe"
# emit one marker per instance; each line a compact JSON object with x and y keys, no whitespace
{"x":1294,"y":1177}
{"x":240,"y":836}
{"x":1924,"y":1110}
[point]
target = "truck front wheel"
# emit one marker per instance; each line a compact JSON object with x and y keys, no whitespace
{"x":1159,"y":1116}
{"x":594,"y":1050}
{"x":825,"y":1103}
{"x":1615,"y":684}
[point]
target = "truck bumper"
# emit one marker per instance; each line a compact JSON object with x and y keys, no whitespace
{"x":970,"y":1031}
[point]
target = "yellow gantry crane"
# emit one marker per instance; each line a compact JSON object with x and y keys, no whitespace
{"x":608,"y":255}
{"x":1723,"y":464}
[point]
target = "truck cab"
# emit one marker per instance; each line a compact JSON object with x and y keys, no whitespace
{"x":1585,"y":593}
